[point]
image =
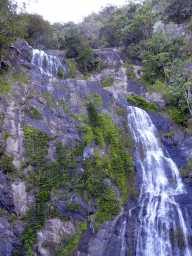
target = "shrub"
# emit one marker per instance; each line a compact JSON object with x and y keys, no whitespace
{"x":97,"y":99}
{"x":60,"y":73}
{"x":131,"y":74}
{"x":134,"y":98}
{"x":33,"y":112}
{"x":107,"y":81}
{"x":73,"y":206}
{"x":141,"y":102}
{"x":88,"y":61}
{"x":177,"y":115}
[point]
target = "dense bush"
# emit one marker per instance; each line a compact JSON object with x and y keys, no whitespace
{"x":175,"y":8}
{"x":40,"y":31}
{"x":88,"y":61}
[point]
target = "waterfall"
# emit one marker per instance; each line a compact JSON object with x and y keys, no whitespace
{"x":162,"y":230}
{"x":49,"y":65}
{"x":122,"y":238}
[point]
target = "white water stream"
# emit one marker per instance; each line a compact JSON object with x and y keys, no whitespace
{"x":48,"y":64}
{"x":159,"y":213}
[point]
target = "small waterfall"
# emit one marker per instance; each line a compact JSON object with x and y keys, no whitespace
{"x":122,"y":238}
{"x":49,"y":65}
{"x":163,"y":231}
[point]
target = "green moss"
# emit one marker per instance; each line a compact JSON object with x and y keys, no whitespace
{"x":97,"y":99}
{"x":168,"y":135}
{"x":5,"y":87}
{"x":33,"y":112}
{"x":47,"y":96}
{"x":141,"y":102}
{"x":189,"y":26}
{"x":75,"y":116}
{"x":107,"y":81}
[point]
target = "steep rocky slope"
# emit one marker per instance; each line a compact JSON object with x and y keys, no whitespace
{"x":39,"y":106}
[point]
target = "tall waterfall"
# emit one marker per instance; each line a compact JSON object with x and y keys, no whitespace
{"x":49,"y":65}
{"x":162,"y":230}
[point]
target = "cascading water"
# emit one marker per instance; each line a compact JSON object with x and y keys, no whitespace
{"x":49,"y":65}
{"x":162,"y":230}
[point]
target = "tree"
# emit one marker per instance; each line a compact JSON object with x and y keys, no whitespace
{"x":175,"y":8}
{"x":40,"y":31}
{"x":12,"y":26}
{"x":72,"y":45}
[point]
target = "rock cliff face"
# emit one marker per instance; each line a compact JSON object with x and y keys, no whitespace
{"x":61,"y":108}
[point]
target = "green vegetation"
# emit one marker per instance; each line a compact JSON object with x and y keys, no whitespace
{"x":12,"y":218}
{"x":36,"y":145}
{"x":168,"y":135}
{"x":6,"y":135}
{"x":131,"y":74}
{"x":87,"y":132}
{"x":140,"y":101}
{"x":188,"y":167}
{"x":75,"y":116}
{"x":11,"y":77}
{"x":88,"y":61}
{"x":97,"y":99}
{"x":67,"y":244}
{"x":46,"y":177}
{"x":73,"y":206}
{"x":107,"y":81}
{"x":5,"y":87}
{"x":60,"y":73}
{"x":47,"y":96}
{"x":121,"y":111}
{"x":6,"y":162}
{"x":33,"y":112}
{"x":63,"y":104}
{"x":70,"y":65}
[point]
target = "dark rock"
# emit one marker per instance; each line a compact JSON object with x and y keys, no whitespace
{"x":9,"y":237}
{"x":6,"y":195}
